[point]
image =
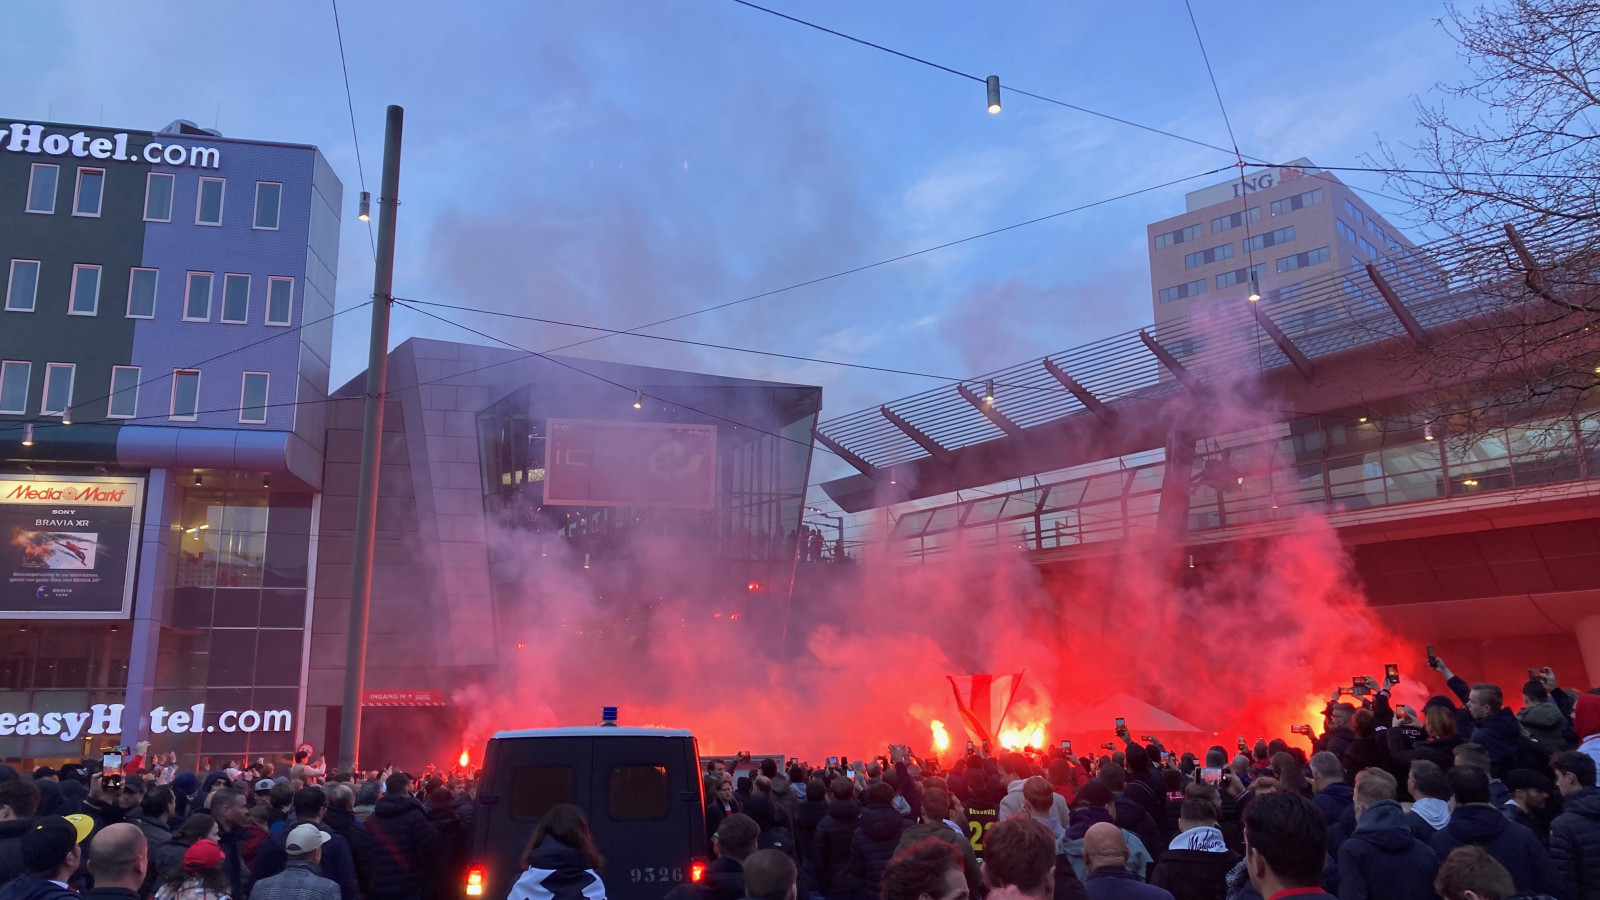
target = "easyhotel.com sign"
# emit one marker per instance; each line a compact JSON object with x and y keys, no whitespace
{"x":106,"y":718}
{"x":32,"y":139}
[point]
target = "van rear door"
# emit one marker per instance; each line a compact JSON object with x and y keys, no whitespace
{"x":536,"y":775}
{"x":646,"y":814}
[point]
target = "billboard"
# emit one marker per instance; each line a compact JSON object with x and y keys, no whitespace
{"x":66,"y":546}
{"x":665,"y":465}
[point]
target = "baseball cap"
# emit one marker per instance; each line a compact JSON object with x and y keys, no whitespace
{"x":304,"y":839}
{"x":46,"y":845}
{"x":133,"y":783}
{"x":202,"y":854}
{"x":265,"y":784}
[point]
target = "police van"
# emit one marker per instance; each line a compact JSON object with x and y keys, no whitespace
{"x":639,"y":788}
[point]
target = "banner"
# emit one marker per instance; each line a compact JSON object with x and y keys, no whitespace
{"x":66,"y":546}
{"x":417,"y":697}
{"x":983,"y":710}
{"x":665,"y":465}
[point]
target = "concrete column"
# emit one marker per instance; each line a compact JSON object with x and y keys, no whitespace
{"x":154,"y":547}
{"x":1588,"y":633}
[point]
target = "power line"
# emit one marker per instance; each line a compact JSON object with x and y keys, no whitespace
{"x":1395,"y":171}
{"x":1213,"y":75}
{"x":968,"y":75}
{"x":351,"y":105}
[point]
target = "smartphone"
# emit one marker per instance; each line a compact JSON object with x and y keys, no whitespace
{"x":843,"y":761}
{"x":1209,"y":775}
{"x":1433,"y":658}
{"x":1148,"y":739}
{"x":1391,"y":673}
{"x":1359,"y":690}
{"x":1108,"y":746}
{"x":1066,"y":745}
{"x":1301,"y":729}
{"x":970,"y":747}
{"x":1166,"y":758}
{"x":1242,"y":745}
{"x":1533,"y":674}
{"x":1122,"y":724}
{"x":111,"y":769}
{"x":833,"y":762}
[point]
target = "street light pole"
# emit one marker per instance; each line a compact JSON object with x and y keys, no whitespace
{"x":371,"y":446}
{"x":838,"y":552}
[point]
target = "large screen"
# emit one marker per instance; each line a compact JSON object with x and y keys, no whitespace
{"x":649,"y":464}
{"x":66,"y":546}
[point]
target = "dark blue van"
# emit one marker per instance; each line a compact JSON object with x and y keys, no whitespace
{"x":639,"y":787}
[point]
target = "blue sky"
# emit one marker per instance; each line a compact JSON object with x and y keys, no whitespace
{"x":618,"y":162}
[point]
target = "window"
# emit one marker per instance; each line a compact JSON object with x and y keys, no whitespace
{"x":142,"y":294}
{"x":1394,"y":245}
{"x":1223,"y":223}
{"x":1240,"y":276}
{"x":1345,"y":231}
{"x":534,"y":789}
{"x":1377,"y":230}
{"x":1301,"y":260}
{"x":1198,"y":286}
{"x":1280,"y":295}
{"x":638,"y":792}
{"x":197,"y":298}
{"x":253,"y":398}
{"x":1270,"y":239}
{"x":1366,"y":246}
{"x":1209,"y":255}
{"x":22,"y":288}
{"x":85,"y":291}
{"x":1185,"y":347}
{"x":1355,"y":212}
{"x":158,"y":197}
{"x":208,"y":204}
{"x":235,"y":298}
{"x":42,"y":188}
{"x":57,"y":389}
{"x":1298,"y":201}
{"x":124,"y":392}
{"x":1311,"y":318}
{"x":14,"y":386}
{"x":1177,"y":237}
{"x":268,"y":197}
{"x":185,"y":395}
{"x":280,"y":300}
{"x":1355,"y":263}
{"x":91,"y":186}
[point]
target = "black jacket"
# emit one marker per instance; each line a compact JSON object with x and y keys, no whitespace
{"x":169,"y":857}
{"x":1515,"y":847}
{"x":806,"y":816}
{"x":830,"y":856}
{"x":455,"y":840}
{"x":362,"y":849}
{"x":724,"y":880}
{"x":1514,"y":813}
{"x":1383,"y":859}
{"x":558,"y":872}
{"x":1575,"y":844}
{"x":406,"y":848}
{"x":1333,"y":800}
{"x":27,"y":887}
{"x":11,"y":847}
{"x":1500,"y":734}
{"x":1133,"y":816}
{"x":1194,"y":874}
{"x":872,"y":846}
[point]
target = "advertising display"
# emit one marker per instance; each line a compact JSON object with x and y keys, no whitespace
{"x":67,"y":546}
{"x":664,"y":465}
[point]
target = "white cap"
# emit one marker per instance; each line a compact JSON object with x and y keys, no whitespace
{"x":304,"y":839}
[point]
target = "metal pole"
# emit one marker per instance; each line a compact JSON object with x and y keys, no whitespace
{"x":371,"y":446}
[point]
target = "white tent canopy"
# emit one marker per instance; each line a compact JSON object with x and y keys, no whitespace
{"x":1140,"y":716}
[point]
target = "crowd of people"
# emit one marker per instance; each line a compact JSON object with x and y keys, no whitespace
{"x":250,"y":833}
{"x":1462,"y":799}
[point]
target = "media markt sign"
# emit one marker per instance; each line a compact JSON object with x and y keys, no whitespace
{"x":66,"y":546}
{"x":106,"y":718}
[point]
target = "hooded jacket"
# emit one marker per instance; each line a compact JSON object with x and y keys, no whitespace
{"x":1514,"y":846}
{"x":830,"y":856}
{"x":1071,"y":845}
{"x":406,"y":848}
{"x":872,"y":846}
{"x":1383,"y":859}
{"x":11,"y":832}
{"x":1196,"y":865}
{"x":1333,"y":800}
{"x":1013,"y":802}
{"x":1575,"y":844}
{"x":1546,"y":725}
{"x":808,"y":814}
{"x":559,"y":872}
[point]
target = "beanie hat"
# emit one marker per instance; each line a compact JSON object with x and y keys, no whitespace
{"x":1586,"y":715}
{"x":1095,"y":794}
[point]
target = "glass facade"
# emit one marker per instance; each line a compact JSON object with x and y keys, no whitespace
{"x":761,"y":470}
{"x":1333,"y":462}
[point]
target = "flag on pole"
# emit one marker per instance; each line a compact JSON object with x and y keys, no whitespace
{"x":987,"y":701}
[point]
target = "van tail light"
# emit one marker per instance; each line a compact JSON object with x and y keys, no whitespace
{"x":697,"y":870}
{"x":475,"y":881}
